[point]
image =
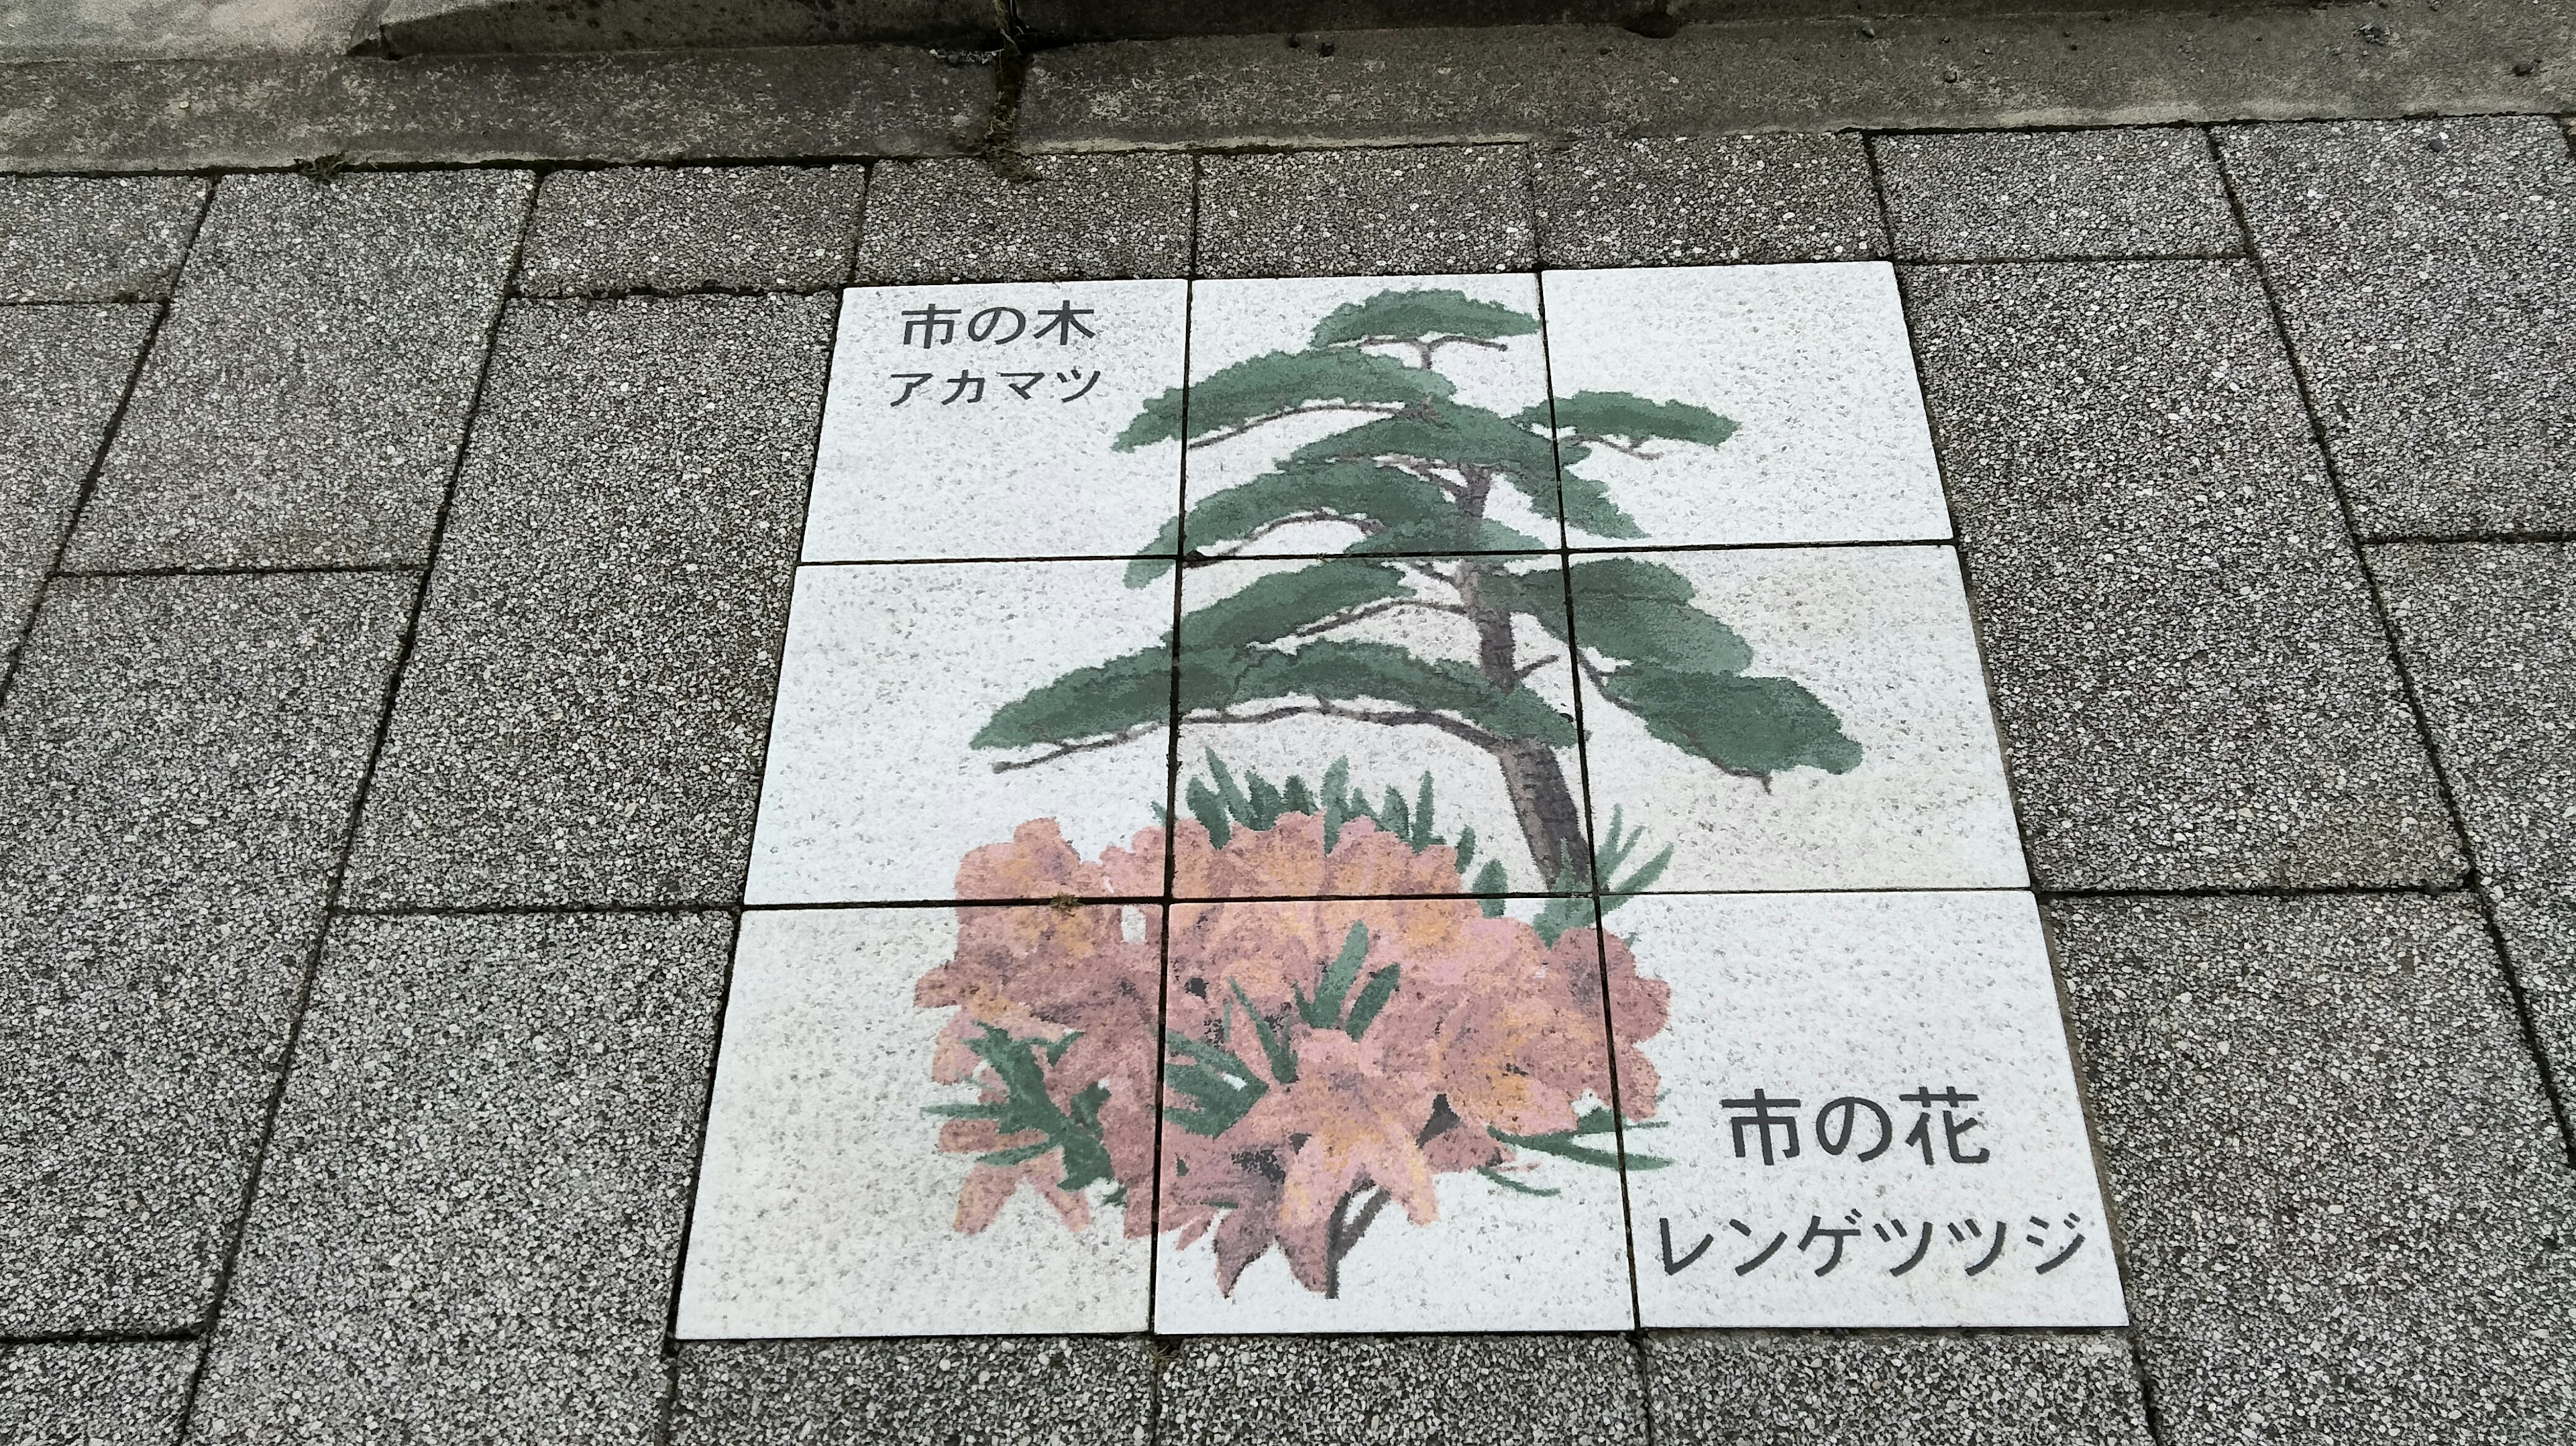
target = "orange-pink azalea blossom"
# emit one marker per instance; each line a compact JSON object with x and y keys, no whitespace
{"x":1490,"y":1031}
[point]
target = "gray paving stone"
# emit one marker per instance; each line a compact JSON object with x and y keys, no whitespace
{"x":83,"y":238}
{"x":583,"y":716}
{"x":94,"y":1393}
{"x":1051,"y":218}
{"x":1744,"y":1388}
{"x":67,"y":367}
{"x":306,"y":397}
{"x":1702,"y":201}
{"x":2190,"y":677}
{"x":696,"y":228}
{"x":1458,"y":1390}
{"x":2346,"y":1205}
{"x":470,"y":1217}
{"x":2006,"y":195}
{"x":178,"y":759}
{"x":2488,"y":631}
{"x":1426,"y":210}
{"x":953,"y":1391}
{"x":2427,"y":270}
{"x":2538,"y":921}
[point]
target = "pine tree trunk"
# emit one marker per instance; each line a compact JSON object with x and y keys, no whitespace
{"x":1550,"y":822}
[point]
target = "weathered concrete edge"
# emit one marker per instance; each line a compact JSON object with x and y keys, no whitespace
{"x":1895,"y":74}
{"x":1379,"y":88}
{"x":183,"y":115}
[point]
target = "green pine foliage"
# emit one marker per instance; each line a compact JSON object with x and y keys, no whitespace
{"x":1409,"y":480}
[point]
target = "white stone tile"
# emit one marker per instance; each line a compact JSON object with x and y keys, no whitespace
{"x":874,"y":789}
{"x":1812,"y":364}
{"x":1878,"y":636}
{"x":1235,"y":322}
{"x":1485,"y":1014}
{"x":1378,"y":728}
{"x":827,"y":1205}
{"x":994,"y":473}
{"x":1817,"y":998}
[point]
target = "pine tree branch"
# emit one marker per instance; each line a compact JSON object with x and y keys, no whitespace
{"x":1373,"y":409}
{"x":1326,"y":708}
{"x":1352,"y":615}
{"x":1367,"y":528}
{"x":1066,"y":750}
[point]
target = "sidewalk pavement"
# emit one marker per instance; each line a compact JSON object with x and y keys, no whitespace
{"x":393,"y":566}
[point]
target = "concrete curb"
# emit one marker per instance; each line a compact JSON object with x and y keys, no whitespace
{"x":1248,"y":92}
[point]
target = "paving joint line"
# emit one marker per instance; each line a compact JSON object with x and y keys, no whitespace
{"x":291,"y":569}
{"x":2551,"y":1090}
{"x":388,"y":697}
{"x":2115,"y":1223}
{"x":98,"y":458}
{"x":666,"y":1409}
{"x":1173,"y":714}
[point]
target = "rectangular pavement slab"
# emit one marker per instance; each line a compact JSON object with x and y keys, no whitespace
{"x":1706,"y":200}
{"x":95,"y":238}
{"x":2191,"y":681}
{"x":2056,"y":195}
{"x":582,"y":719}
{"x":960,"y":1391}
{"x":183,"y":756}
{"x":304,"y":403}
{"x":1029,"y":218}
{"x":1581,"y":1390}
{"x":695,"y":228}
{"x":94,"y":1393}
{"x":2346,"y":1202}
{"x":70,"y":366}
{"x":471,"y":1211}
{"x":1741,"y":1388}
{"x":2423,"y":268}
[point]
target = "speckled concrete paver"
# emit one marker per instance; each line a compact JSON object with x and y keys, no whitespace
{"x":2193,"y":686}
{"x":583,"y":716}
{"x":475,"y":1195}
{"x":692,"y":228}
{"x":2423,"y":272}
{"x":305,"y":401}
{"x":973,"y":1391}
{"x":2064,"y":195}
{"x":1464,"y":1389}
{"x":69,"y":366}
{"x":1707,"y":201}
{"x":1041,"y":218}
{"x":1784,"y":1389}
{"x":2313,"y":1253}
{"x":95,"y":238}
{"x":1365,"y":213}
{"x":94,"y":1393}
{"x":183,"y":756}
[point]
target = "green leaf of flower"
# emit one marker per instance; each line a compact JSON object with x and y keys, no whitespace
{"x":1380,"y":988}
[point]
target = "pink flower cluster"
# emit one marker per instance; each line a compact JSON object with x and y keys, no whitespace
{"x":1489,"y":1031}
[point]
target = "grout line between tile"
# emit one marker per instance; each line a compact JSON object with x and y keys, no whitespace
{"x":1171,"y":825}
{"x":2552,"y":1089}
{"x":1591,"y":825}
{"x":387,"y":699}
